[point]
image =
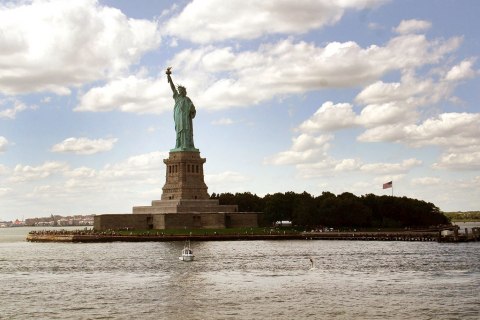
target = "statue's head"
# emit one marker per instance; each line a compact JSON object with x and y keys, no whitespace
{"x":182,"y":90}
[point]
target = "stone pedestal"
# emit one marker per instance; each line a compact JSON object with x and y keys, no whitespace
{"x":185,"y":191}
{"x":184,"y":177}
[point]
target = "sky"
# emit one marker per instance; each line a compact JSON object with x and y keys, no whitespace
{"x":306,"y":95}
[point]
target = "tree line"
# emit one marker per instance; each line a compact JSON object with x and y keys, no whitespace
{"x":338,"y":211}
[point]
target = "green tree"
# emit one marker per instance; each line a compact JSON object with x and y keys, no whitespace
{"x":304,"y":210}
{"x":248,"y":202}
{"x":279,"y":207}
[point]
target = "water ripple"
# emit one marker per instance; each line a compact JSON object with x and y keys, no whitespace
{"x":240,"y":280}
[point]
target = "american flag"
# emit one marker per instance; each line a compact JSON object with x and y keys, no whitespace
{"x":388,"y":185}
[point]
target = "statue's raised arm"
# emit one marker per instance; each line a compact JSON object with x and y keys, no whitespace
{"x":183,"y":113}
{"x":169,"y":78}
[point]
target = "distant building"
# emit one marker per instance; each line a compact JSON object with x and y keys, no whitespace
{"x":58,"y":220}
{"x":18,"y":223}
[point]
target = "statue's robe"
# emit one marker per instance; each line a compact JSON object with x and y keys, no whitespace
{"x":183,"y":113}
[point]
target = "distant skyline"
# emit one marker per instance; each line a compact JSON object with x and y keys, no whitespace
{"x":338,"y":96}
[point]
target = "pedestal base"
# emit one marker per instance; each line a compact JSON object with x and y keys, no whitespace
{"x":184,"y":206}
{"x":184,"y":177}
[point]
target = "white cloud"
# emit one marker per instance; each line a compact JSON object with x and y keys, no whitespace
{"x":390,"y":107}
{"x":122,"y":178}
{"x":333,"y":167}
{"x":230,"y":181}
{"x":3,"y":144}
{"x":223,"y":122}
{"x":330,"y":117}
{"x":410,"y":26}
{"x":391,"y":114}
{"x":391,"y":133}
{"x":375,"y":26}
{"x":459,"y":161}
{"x":321,"y":168}
{"x":220,"y":78}
{"x":173,"y":43}
{"x":394,"y":114}
{"x":223,"y":78}
{"x":23,"y":173}
{"x":5,"y":191}
{"x":216,"y":20}
{"x":84,"y":146}
{"x":46,"y":100}
{"x":457,"y":134}
{"x":129,"y":177}
{"x":347,"y":165}
{"x":140,"y":166}
{"x":115,"y":187}
{"x":462,"y":71}
{"x":391,"y":168}
{"x":3,"y":169}
{"x":128,"y":94}
{"x":305,"y":149}
{"x":412,"y":50}
{"x":52,"y":45}
{"x":411,"y":91}
{"x":398,"y":103}
{"x":136,"y":175}
{"x":393,"y":109}
{"x":17,"y":107}
{"x":450,"y":130}
{"x":426,"y":181}
{"x":81,"y":172}
{"x":225,"y":177}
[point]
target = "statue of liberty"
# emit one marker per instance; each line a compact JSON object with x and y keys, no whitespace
{"x":183,"y":113}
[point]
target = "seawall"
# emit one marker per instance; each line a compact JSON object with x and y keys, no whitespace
{"x":358,"y":236}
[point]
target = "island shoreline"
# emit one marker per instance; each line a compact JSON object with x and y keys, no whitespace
{"x":427,"y":236}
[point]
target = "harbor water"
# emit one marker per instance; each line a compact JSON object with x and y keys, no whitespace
{"x":238,"y":280}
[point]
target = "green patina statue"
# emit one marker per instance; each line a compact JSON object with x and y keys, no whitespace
{"x":183,"y":113}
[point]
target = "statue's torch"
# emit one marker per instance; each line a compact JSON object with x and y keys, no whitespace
{"x":168,"y":72}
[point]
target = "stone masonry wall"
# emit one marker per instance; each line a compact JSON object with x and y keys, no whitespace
{"x":243,"y":220}
{"x":195,"y":221}
{"x":121,"y":221}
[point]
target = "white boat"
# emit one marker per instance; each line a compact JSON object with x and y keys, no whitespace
{"x":187,"y":253}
